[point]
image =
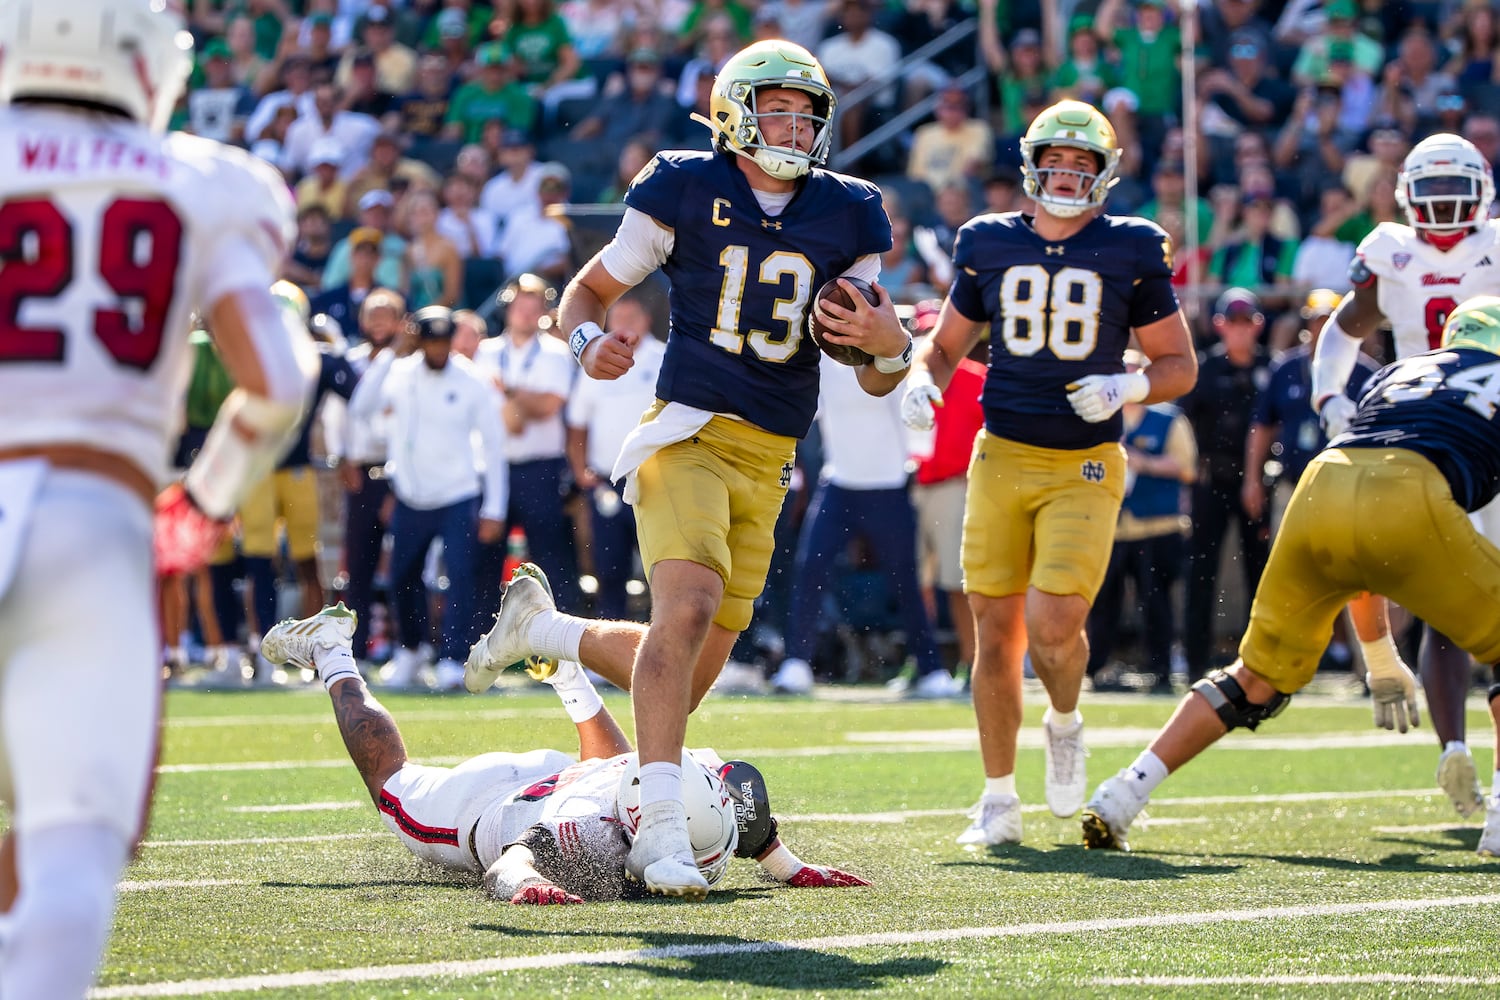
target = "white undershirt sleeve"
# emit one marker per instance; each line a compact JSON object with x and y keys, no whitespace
{"x":1333,"y":362}
{"x":641,"y":245}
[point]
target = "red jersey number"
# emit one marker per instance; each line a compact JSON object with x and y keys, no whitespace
{"x":1437,"y":313}
{"x":140,"y":248}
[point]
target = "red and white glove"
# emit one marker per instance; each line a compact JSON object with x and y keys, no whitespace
{"x":819,"y":877}
{"x":543,"y":894}
{"x":184,"y":536}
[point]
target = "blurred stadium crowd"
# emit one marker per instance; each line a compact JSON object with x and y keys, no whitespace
{"x":457,"y":153}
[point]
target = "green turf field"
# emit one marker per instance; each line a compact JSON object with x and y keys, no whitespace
{"x":1315,"y":859}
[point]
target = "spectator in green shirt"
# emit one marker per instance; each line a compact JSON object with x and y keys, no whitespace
{"x":1022,"y":83}
{"x":1312,"y":64}
{"x":1084,"y":75}
{"x":1254,"y":258}
{"x":541,"y":45}
{"x":1147,"y":54}
{"x":690,"y":34}
{"x":1169,"y":187}
{"x":493,"y":95}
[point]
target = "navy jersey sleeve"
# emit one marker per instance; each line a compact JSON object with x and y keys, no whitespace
{"x":965,"y":293}
{"x":1154,"y":298}
{"x":875,"y":227}
{"x":1266,"y":411}
{"x":657,"y":190}
{"x":336,"y":376}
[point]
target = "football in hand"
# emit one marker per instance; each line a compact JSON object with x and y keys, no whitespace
{"x":844,"y":354}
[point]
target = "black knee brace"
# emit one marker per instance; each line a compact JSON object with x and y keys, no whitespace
{"x":1226,"y":696}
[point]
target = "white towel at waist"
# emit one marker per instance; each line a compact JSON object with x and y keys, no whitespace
{"x":675,"y":422}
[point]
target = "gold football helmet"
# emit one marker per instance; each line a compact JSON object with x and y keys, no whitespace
{"x":1475,"y":324}
{"x":1081,"y":126}
{"x":735,"y":119}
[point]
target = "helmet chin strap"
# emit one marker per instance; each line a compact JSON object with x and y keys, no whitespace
{"x":783,"y":168}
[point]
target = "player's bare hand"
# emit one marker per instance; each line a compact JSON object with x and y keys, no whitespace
{"x":490,"y":530}
{"x":352,"y":476}
{"x":610,"y":356}
{"x":1253,"y":498}
{"x":544,"y":894}
{"x":821,"y":877}
{"x":874,"y":329}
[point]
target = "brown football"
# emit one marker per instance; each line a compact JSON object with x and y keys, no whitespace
{"x":834,"y":292}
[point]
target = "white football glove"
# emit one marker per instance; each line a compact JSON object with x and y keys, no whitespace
{"x":1096,"y":398}
{"x":1394,"y":700}
{"x":1337,"y":412}
{"x":917,"y":405}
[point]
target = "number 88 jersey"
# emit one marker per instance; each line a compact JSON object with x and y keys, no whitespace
{"x":111,"y":236}
{"x":1420,"y":284}
{"x":1058,"y":311}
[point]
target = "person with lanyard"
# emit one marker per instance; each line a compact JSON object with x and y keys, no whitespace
{"x":535,"y":374}
{"x":436,"y":404}
{"x":362,"y":469}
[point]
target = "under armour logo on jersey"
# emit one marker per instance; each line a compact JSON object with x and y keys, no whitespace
{"x":1055,"y":250}
{"x":1093,"y":471}
{"x":786,"y":475}
{"x":770,"y":224}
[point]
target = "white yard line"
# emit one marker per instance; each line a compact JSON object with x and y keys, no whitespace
{"x":1330,"y":979}
{"x":296,"y":807}
{"x":155,"y":885}
{"x":261,"y":841}
{"x":921,"y":741}
{"x":1454,"y":824}
{"x":903,"y":939}
{"x":902,"y":815}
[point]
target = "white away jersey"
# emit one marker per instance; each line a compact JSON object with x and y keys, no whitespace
{"x":1420,"y":284}
{"x":576,"y":806}
{"x":110,"y":237}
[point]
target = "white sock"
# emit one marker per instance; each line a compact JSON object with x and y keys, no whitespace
{"x":661,"y":781}
{"x":1145,"y":774}
{"x":1063,"y":725}
{"x":995,"y":788}
{"x":573,"y":686}
{"x":60,"y":922}
{"x":781,"y":864}
{"x":1456,"y":745}
{"x":334,"y":663}
{"x":554,"y":634}
{"x":1495,"y":788}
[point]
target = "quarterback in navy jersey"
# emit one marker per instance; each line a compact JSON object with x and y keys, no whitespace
{"x":1063,"y":292}
{"x":1421,"y":452}
{"x":747,"y":234}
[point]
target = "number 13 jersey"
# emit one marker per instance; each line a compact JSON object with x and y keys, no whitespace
{"x":111,"y":236}
{"x":1057,"y":311}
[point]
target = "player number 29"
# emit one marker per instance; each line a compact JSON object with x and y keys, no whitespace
{"x":768,"y":345}
{"x":1060,"y":311}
